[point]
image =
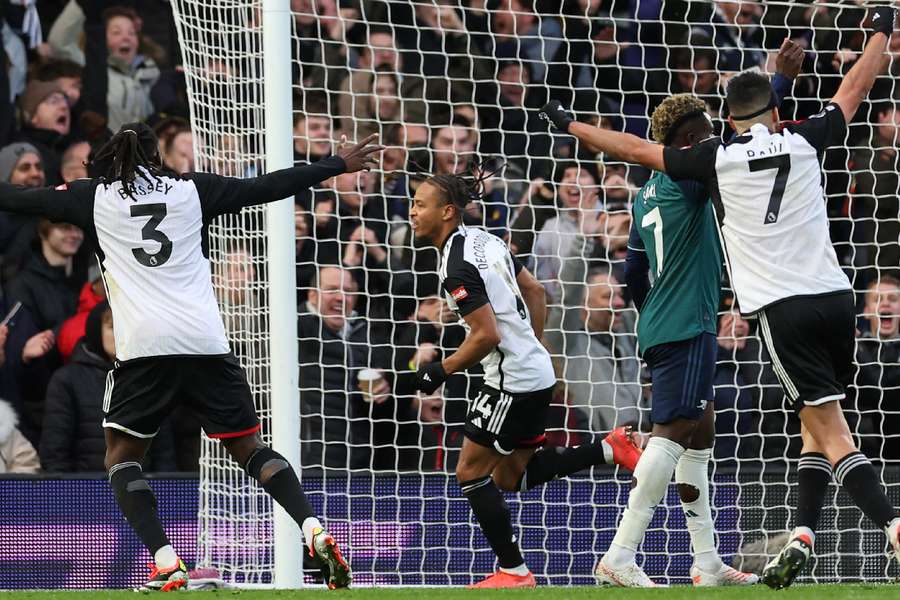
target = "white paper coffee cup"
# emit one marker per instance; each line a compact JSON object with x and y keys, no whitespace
{"x":367,"y":379}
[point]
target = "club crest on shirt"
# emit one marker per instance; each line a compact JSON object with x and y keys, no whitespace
{"x":459,"y":293}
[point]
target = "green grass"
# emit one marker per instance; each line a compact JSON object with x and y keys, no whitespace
{"x":814,"y":592}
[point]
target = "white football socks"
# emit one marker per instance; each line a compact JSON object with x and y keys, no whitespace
{"x":693,"y":470}
{"x":521,"y":570}
{"x":309,"y":524}
{"x":608,"y":456}
{"x":653,"y":474}
{"x":165,"y":557}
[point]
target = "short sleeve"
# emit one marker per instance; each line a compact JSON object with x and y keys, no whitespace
{"x":822,"y":130}
{"x":634,"y":239}
{"x":466,"y":287}
{"x":697,"y":162}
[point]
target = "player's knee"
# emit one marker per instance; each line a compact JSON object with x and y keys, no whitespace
{"x":506,"y":480}
{"x":242,"y":448}
{"x":838,"y":446}
{"x":264,"y":464}
{"x":688,"y":493}
{"x":114,"y":457}
{"x":108,"y":462}
{"x":701,"y":440}
{"x":468,"y":470}
{"x":680,"y":431}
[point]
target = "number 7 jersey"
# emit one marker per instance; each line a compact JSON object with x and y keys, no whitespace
{"x":674,"y":224}
{"x":767,"y":190}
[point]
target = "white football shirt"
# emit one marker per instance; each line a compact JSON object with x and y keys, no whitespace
{"x":767,"y":190}
{"x":476,"y":269}
{"x":156,"y":270}
{"x":153,"y":247}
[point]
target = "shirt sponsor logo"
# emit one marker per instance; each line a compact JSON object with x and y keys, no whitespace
{"x":460,"y":293}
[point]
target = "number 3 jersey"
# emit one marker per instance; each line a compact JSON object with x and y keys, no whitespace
{"x":154,"y":254}
{"x":153,"y":247}
{"x":477,"y":269}
{"x":767,"y":190}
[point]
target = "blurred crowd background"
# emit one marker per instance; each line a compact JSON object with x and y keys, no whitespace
{"x":446,"y":84}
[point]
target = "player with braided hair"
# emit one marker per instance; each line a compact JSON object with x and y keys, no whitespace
{"x":150,"y":228}
{"x":503,"y":307}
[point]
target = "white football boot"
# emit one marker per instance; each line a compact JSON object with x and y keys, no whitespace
{"x":628,"y":576}
{"x":726,"y":575}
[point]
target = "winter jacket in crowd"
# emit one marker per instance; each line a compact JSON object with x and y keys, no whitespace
{"x":46,"y":291}
{"x":878,"y":394}
{"x":336,"y":423}
{"x":118,"y":91}
{"x":72,"y":438}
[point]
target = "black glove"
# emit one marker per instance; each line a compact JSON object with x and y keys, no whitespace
{"x":554,"y":112}
{"x":882,"y":20}
{"x":430,"y":377}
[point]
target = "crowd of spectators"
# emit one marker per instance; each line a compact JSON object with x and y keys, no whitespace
{"x":447,"y":84}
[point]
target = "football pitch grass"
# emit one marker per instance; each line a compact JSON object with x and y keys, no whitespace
{"x":758,"y":592}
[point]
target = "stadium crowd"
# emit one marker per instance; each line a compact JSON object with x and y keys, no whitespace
{"x":442,"y":82}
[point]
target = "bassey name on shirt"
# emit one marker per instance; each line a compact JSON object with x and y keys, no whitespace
{"x":144,"y":189}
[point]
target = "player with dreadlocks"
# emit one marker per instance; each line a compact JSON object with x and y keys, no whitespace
{"x":503,"y":307}
{"x":150,"y":228}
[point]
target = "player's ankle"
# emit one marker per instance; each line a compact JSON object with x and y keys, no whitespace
{"x":708,"y":561}
{"x":522,"y":570}
{"x":805,"y":531}
{"x":309,"y":527}
{"x":618,"y":556}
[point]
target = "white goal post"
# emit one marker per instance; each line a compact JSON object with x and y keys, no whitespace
{"x":438,"y":80}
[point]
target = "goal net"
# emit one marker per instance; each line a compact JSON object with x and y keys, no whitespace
{"x":443,"y":82}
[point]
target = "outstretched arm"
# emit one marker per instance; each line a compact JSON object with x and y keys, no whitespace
{"x":221,"y":195}
{"x":621,"y":146}
{"x":859,"y":80}
{"x":59,"y":204}
{"x":637,"y":268}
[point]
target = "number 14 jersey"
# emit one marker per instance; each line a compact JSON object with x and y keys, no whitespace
{"x":767,"y":190}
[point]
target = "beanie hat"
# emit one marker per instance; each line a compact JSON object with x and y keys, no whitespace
{"x":10,"y":155}
{"x":35,"y":93}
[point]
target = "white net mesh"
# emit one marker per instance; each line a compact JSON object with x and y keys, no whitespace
{"x":442,"y":81}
